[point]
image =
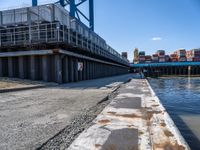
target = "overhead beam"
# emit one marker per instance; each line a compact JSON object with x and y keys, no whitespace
{"x":72,"y":8}
{"x":91,"y":14}
{"x":34,"y":3}
{"x":62,"y":3}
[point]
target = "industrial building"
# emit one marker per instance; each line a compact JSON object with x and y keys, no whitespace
{"x":48,"y":43}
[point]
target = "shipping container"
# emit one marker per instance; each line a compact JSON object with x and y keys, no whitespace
{"x":162,"y":59}
{"x":155,"y":58}
{"x":196,"y":59}
{"x":174,"y":59}
{"x":148,"y":61}
{"x":189,"y":59}
{"x":167,"y":58}
{"x":148,"y":58}
{"x":196,"y":53}
{"x":160,"y":53}
{"x":141,"y":59}
{"x":182,"y":59}
{"x":180,"y":53}
{"x":142,"y":53}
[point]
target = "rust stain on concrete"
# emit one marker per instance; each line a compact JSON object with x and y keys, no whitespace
{"x":124,"y":115}
{"x":163,"y":124}
{"x":104,"y":121}
{"x":98,"y":145}
{"x":169,"y":146}
{"x":168,"y":133}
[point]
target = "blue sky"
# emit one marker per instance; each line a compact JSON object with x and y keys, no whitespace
{"x":146,"y":24}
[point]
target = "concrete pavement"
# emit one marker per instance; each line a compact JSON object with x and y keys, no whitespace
{"x":30,"y":118}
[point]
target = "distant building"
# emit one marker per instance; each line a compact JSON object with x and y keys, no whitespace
{"x":125,"y":54}
{"x":136,"y":55}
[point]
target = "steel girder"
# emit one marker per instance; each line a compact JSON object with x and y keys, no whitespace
{"x":75,"y":11}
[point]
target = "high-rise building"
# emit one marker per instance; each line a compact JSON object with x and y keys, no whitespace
{"x":136,"y":55}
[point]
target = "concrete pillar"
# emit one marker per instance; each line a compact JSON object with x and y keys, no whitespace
{"x":87,"y":70}
{"x":84,"y":70}
{"x":45,"y":68}
{"x":10,"y":67}
{"x":1,"y":67}
{"x":80,"y":72}
{"x":76,"y":70}
{"x":91,"y":69}
{"x":65,"y":70}
{"x":21,"y":67}
{"x":71,"y":69}
{"x":58,"y":69}
{"x":33,"y":67}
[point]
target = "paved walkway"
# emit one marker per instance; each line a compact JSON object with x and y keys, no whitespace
{"x":134,"y":120}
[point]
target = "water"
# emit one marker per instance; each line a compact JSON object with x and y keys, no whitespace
{"x":181,"y":98}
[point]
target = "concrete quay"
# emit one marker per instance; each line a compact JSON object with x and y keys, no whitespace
{"x":134,"y":120}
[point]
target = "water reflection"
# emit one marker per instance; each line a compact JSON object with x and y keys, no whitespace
{"x":181,"y":98}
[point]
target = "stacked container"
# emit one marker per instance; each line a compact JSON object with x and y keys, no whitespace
{"x":181,"y":55}
{"x":173,"y":58}
{"x":155,"y":58}
{"x":161,"y":55}
{"x":148,"y":59}
{"x":193,"y":55}
{"x":142,"y":57}
{"x":167,"y":58}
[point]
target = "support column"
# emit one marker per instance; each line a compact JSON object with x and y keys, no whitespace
{"x":10,"y":67}
{"x":71,"y":70}
{"x":84,"y":70}
{"x":1,"y":67}
{"x":21,"y":67}
{"x":87,"y":70}
{"x":58,"y":69}
{"x":76,"y":70}
{"x":45,"y":70}
{"x":65,"y":70}
{"x":33,"y":67}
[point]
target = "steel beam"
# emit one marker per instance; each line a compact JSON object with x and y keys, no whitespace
{"x":91,"y":14}
{"x":34,"y":3}
{"x":72,"y":8}
{"x":62,"y":3}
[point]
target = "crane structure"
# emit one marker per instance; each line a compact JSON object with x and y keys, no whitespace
{"x":75,"y":11}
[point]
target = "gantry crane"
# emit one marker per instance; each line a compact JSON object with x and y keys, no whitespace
{"x":75,"y":11}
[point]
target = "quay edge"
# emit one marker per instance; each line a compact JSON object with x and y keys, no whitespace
{"x":169,"y":122}
{"x":135,"y":119}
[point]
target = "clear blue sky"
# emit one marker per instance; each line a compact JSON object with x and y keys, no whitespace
{"x":146,"y":24}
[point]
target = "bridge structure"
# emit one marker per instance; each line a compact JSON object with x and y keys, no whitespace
{"x":167,"y":68}
{"x":50,"y":43}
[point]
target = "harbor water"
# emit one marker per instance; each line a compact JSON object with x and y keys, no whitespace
{"x":181,"y":98}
